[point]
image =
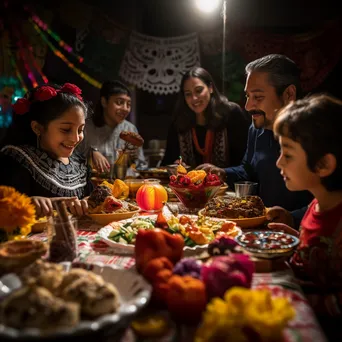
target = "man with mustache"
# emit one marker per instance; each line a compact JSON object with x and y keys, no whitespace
{"x":272,"y":82}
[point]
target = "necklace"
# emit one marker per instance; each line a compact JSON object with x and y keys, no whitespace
{"x":207,"y":151}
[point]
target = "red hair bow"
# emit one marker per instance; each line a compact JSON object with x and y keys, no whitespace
{"x":45,"y":93}
{"x":22,"y":106}
{"x":71,"y":89}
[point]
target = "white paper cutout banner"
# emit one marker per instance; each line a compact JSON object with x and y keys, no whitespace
{"x":156,"y":64}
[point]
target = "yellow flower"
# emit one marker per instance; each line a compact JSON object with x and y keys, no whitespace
{"x":245,"y":310}
{"x":16,"y":211}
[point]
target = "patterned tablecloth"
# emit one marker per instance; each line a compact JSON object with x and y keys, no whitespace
{"x":303,"y":328}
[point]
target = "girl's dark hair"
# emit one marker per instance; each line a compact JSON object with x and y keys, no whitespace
{"x":21,"y":133}
{"x":108,"y":89}
{"x":315,"y":122}
{"x":184,"y":118}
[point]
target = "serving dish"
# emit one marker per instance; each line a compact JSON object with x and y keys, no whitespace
{"x":251,"y":222}
{"x":159,"y":173}
{"x":104,"y":219}
{"x":134,"y":294}
{"x":128,"y":248}
{"x":195,"y":198}
{"x":268,"y":244}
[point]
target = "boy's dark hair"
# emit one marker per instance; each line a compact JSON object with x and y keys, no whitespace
{"x":108,"y":89}
{"x":219,"y":106}
{"x":282,"y":72}
{"x":315,"y":122}
{"x":21,"y":133}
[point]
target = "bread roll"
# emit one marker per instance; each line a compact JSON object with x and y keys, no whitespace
{"x":36,"y":307}
{"x":95,"y":298}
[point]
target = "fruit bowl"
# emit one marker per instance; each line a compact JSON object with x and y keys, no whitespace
{"x":195,"y":197}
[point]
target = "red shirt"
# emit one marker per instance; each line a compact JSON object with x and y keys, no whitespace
{"x":318,"y":258}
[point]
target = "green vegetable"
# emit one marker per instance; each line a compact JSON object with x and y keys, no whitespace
{"x":189,"y":242}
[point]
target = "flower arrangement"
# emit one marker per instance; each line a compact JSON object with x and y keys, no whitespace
{"x":17,"y":213}
{"x":245,"y":315}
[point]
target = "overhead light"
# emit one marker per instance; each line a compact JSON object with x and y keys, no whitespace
{"x":207,"y":5}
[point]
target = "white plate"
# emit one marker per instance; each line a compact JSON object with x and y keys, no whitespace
{"x":129,"y":249}
{"x":134,"y":293}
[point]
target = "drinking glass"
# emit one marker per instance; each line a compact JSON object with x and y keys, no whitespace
{"x":245,"y":188}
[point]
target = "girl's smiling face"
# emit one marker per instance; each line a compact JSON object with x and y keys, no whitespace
{"x":61,"y":136}
{"x":294,"y":168}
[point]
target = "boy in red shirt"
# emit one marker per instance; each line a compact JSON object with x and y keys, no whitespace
{"x":310,"y":137}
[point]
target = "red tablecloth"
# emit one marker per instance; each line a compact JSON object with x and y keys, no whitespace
{"x":303,"y":328}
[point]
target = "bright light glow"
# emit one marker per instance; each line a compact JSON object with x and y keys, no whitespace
{"x":207,"y":5}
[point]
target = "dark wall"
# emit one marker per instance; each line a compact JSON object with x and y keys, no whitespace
{"x":167,"y":18}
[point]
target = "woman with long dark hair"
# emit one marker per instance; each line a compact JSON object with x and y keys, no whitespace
{"x":206,"y":127}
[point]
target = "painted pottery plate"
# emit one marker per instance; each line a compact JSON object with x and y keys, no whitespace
{"x":268,"y":244}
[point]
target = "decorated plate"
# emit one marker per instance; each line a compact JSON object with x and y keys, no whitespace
{"x":268,"y":244}
{"x":128,"y":248}
{"x":134,"y":294}
{"x":251,"y":222}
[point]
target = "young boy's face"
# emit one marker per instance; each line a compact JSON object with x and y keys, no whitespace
{"x":293,"y":165}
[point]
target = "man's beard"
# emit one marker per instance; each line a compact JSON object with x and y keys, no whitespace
{"x":256,"y":123}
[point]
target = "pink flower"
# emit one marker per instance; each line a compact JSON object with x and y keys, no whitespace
{"x":21,"y":106}
{"x":223,"y":272}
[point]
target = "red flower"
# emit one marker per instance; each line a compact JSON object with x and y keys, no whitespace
{"x":72,"y":89}
{"x":45,"y":93}
{"x":22,"y":106}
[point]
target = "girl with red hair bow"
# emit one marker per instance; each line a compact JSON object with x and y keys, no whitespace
{"x":37,"y":156}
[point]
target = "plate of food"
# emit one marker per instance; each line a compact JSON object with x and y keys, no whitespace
{"x":246,"y":212}
{"x":104,"y":208}
{"x":40,"y":225}
{"x":154,"y":172}
{"x":268,"y":244}
{"x":69,"y":299}
{"x":196,"y":231}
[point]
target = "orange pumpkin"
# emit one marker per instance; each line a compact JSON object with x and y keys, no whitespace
{"x":151,"y":195}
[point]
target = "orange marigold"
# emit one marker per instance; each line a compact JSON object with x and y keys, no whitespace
{"x":16,"y":210}
{"x":6,"y":191}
